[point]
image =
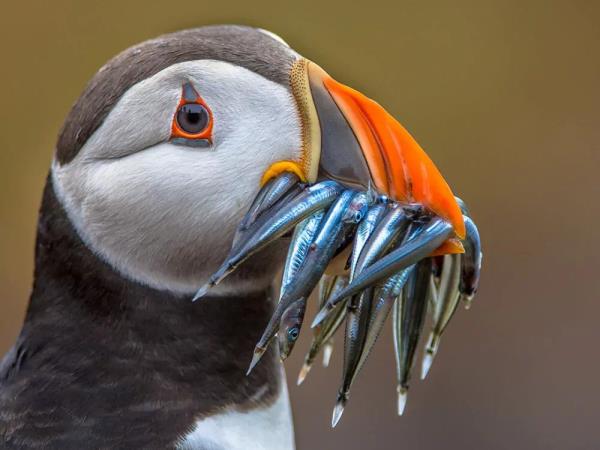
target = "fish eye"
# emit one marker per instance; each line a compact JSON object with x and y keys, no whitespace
{"x":192,"y":118}
{"x":293,"y":333}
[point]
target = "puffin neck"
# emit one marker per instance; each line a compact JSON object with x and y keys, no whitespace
{"x":133,"y":345}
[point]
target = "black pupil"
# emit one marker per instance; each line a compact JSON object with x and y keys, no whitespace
{"x":192,"y":118}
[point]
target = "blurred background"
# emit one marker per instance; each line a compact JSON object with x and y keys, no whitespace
{"x":504,"y":95}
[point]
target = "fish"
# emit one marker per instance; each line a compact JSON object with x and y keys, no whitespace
{"x":448,"y":299}
{"x":356,"y":323}
{"x":273,"y":191}
{"x":290,"y":326}
{"x":243,"y":234}
{"x":408,"y":318}
{"x":363,"y":232}
{"x":433,"y":300}
{"x":385,"y":298}
{"x":422,"y":244}
{"x":311,"y":200}
{"x":303,"y":237}
{"x":322,"y":249}
{"x":393,"y":223}
{"x":384,"y":301}
{"x":470,"y":263}
{"x":323,"y":334}
{"x":257,"y":203}
{"x":291,"y":319}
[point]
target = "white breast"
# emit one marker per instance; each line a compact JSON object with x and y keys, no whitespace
{"x":268,"y":428}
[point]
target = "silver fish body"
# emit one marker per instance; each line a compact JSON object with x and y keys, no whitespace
{"x":408,"y":318}
{"x":447,"y":302}
{"x":363,"y":232}
{"x":410,"y":252}
{"x":257,"y":203}
{"x":302,"y":239}
{"x":382,"y":305}
{"x":357,"y":318}
{"x":291,"y":319}
{"x":271,"y":192}
{"x":393,"y":224}
{"x":471,"y":262}
{"x":244,"y":233}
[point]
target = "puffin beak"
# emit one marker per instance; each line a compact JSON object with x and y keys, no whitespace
{"x":362,"y":145}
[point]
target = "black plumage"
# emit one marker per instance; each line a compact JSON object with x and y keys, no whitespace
{"x":104,"y":362}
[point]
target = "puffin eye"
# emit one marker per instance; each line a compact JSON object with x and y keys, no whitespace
{"x":293,"y":333}
{"x":192,"y":118}
{"x":193,"y":121}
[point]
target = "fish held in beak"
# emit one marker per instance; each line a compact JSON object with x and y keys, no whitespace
{"x":364,"y":192}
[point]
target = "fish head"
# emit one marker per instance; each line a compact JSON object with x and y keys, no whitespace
{"x":289,"y":328}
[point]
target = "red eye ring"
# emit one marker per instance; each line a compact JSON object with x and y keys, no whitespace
{"x":192,"y":113}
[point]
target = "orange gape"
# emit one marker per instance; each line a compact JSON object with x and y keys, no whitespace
{"x":399,"y":166}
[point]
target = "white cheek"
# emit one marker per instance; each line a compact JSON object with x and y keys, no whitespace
{"x":165,"y":215}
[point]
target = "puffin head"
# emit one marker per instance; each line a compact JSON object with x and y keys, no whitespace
{"x":164,"y":151}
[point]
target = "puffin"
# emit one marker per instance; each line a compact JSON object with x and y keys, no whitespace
{"x":154,"y":167}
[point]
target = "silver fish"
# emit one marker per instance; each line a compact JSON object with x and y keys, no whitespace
{"x":292,"y":317}
{"x":256,"y":204}
{"x":409,"y":253}
{"x":290,"y":326}
{"x":408,"y":317}
{"x":322,"y":249}
{"x":363,"y":232}
{"x":448,"y":299}
{"x":384,"y":300}
{"x":275,"y":189}
{"x":471,"y":263}
{"x":393,"y":223}
{"x":245,"y":232}
{"x":433,"y":300}
{"x":323,"y":334}
{"x":312,"y":199}
{"x":302,"y":239}
{"x":356,"y":324}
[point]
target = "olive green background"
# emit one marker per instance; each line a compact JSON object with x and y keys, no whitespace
{"x":504,"y":96}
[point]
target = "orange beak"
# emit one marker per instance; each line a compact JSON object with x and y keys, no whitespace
{"x":362,"y":144}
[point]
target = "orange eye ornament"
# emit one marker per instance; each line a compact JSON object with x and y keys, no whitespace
{"x":193,"y":121}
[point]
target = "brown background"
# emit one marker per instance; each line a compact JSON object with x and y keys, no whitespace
{"x":505,"y":97}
